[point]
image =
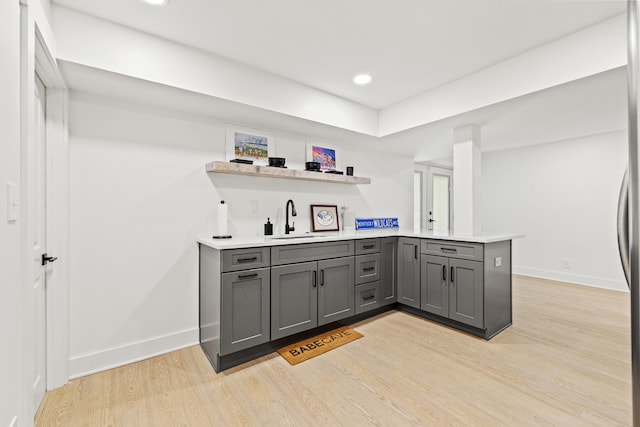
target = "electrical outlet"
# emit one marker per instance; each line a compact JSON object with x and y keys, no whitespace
{"x":12,"y":202}
{"x":497,"y":262}
{"x":566,"y":263}
{"x":253,"y":207}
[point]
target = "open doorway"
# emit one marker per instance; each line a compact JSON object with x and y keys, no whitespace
{"x":433,"y":198}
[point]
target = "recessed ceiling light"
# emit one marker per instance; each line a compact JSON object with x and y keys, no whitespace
{"x":362,"y":79}
{"x":157,"y":2}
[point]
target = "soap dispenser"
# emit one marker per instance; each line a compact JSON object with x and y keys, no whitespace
{"x":268,"y":228}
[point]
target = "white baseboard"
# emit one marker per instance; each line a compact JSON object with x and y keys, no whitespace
{"x":112,"y":358}
{"x":14,"y":422}
{"x":596,"y":282}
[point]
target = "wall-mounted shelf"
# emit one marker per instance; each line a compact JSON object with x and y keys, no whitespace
{"x":272,"y":172}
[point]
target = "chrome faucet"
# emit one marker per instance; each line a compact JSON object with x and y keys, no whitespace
{"x":288,"y":228}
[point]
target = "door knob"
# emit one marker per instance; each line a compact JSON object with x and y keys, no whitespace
{"x":47,"y":259}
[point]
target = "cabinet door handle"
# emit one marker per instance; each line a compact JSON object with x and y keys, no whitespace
{"x":252,"y":259}
{"x":444,"y":273}
{"x":451,"y":274}
{"x":247,"y":276}
{"x":322,"y":277}
{"x":315,"y":278}
{"x":415,"y":251}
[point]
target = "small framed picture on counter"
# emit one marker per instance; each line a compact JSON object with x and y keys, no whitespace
{"x":324,"y":218}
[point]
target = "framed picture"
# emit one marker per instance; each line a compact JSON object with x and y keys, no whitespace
{"x":324,"y":218}
{"x":324,"y":154}
{"x":249,"y":144}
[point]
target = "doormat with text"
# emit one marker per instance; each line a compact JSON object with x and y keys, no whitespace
{"x":314,"y":346}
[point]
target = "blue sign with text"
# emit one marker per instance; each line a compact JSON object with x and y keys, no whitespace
{"x":372,"y":223}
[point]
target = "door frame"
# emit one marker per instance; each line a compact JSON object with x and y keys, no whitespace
{"x":37,"y":56}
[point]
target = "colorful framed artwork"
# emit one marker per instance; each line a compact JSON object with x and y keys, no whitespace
{"x":324,"y":154}
{"x":249,"y":144}
{"x":324,"y":218}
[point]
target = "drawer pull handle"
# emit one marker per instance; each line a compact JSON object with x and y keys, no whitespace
{"x":255,"y":258}
{"x":368,"y":269}
{"x":449,"y":250}
{"x":368,"y":246}
{"x":368,"y":298}
{"x":247,"y":276}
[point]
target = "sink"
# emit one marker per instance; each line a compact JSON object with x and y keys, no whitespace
{"x":293,"y":236}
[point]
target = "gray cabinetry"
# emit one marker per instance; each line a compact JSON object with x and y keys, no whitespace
{"x":368,"y":269}
{"x":245,"y":310}
{"x":234,"y":300}
{"x":335,"y":290}
{"x":312,"y":293}
{"x":408,"y":272}
{"x":388,"y":270}
{"x":294,"y":299}
{"x":453,"y":288}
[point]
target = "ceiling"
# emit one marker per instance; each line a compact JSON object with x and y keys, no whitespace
{"x":408,"y":46}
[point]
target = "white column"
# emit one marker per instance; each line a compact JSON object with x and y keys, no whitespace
{"x":466,"y":180}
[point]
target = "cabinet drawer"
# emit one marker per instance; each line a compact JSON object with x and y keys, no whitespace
{"x":290,"y":254}
{"x":462,"y":250}
{"x":367,"y":297}
{"x":245,"y":259}
{"x":367,"y":246}
{"x":367,"y":268}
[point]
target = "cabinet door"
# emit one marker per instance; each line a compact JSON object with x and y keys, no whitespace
{"x":408,"y":272}
{"x":466,"y":292}
{"x":336,"y":290}
{"x":294,"y":299}
{"x":388,"y":269}
{"x":434,"y":272}
{"x":245,"y":310}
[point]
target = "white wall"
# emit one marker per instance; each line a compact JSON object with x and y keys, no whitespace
{"x":563,"y":196}
{"x":9,"y":232}
{"x":140,"y":198}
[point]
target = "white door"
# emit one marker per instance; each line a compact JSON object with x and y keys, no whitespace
{"x":439,"y":199}
{"x":37,"y":223}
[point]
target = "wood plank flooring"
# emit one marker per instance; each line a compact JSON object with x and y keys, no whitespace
{"x":564,"y":362}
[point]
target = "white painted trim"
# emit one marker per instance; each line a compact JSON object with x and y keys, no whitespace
{"x":119,"y":356}
{"x":579,"y":279}
{"x":37,"y":56}
{"x":57,"y":206}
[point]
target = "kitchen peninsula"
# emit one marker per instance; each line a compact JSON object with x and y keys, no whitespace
{"x":258,"y":294}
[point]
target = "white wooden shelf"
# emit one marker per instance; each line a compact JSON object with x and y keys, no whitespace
{"x":273,"y":172}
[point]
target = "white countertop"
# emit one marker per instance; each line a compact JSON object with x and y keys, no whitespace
{"x":257,"y":241}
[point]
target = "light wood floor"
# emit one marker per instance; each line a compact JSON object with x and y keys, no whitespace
{"x":564,"y":362}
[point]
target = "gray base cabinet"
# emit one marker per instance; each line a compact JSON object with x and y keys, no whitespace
{"x":469,"y":283}
{"x":408,"y":272}
{"x":388,"y":270}
{"x":310,"y":294}
{"x":453,"y":288}
{"x":251,"y":297}
{"x":245,"y":310}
